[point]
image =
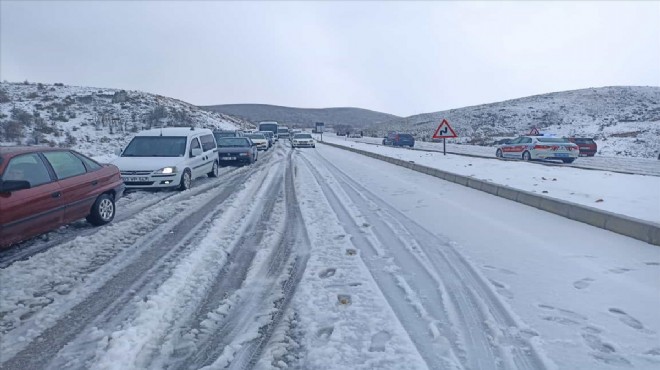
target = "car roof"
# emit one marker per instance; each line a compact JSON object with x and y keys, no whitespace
{"x":173,"y":131}
{"x":20,"y":149}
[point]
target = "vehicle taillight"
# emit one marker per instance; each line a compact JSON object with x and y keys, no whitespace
{"x":542,"y":147}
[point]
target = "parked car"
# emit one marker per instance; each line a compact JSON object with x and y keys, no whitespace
{"x":587,"y":145}
{"x":539,"y":147}
{"x":227,"y":133}
{"x":259,"y":139}
{"x":168,"y":158}
{"x":270,"y":136}
{"x":240,"y":150}
{"x":399,"y":139}
{"x":43,"y":188}
{"x":283,"y":132}
{"x":302,"y":141}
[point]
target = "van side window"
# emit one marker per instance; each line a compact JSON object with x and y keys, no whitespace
{"x":194,"y":144}
{"x":208,"y":143}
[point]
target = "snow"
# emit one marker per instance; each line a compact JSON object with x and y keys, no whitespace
{"x":404,"y":271}
{"x":631,"y":195}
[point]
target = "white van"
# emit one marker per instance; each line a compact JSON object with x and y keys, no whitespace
{"x":168,"y":157}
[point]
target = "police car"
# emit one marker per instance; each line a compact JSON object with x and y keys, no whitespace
{"x":539,"y":147}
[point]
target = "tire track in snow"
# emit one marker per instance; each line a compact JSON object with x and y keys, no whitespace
{"x":489,"y":334}
{"x":248,"y":295}
{"x":154,"y":245}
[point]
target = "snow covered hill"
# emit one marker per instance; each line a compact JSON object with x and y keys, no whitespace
{"x":624,"y":121}
{"x":94,"y":121}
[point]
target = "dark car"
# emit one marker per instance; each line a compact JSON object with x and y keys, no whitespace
{"x":239,"y":150}
{"x":399,"y":139}
{"x":587,"y":145}
{"x":43,"y":188}
{"x":227,"y":133}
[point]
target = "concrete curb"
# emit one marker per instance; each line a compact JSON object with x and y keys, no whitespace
{"x":645,"y":231}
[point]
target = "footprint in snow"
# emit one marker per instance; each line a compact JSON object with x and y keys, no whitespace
{"x":502,"y":289}
{"x":603,"y":351}
{"x":324,"y":334}
{"x":621,"y":270}
{"x":652,"y":263}
{"x":378,"y":341}
{"x":627,"y":319}
{"x":583,"y":283}
{"x":327,"y":273}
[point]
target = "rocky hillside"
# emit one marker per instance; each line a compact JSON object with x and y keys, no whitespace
{"x":94,"y":121}
{"x":623,"y":120}
{"x":302,"y":117}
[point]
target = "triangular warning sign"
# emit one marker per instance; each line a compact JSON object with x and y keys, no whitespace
{"x":444,"y":131}
{"x":534,"y":132}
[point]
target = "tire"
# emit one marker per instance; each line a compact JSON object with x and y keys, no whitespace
{"x":186,"y":180}
{"x":568,"y":160}
{"x":526,"y":156}
{"x":103,"y":210}
{"x":498,"y":153}
{"x":214,"y":171}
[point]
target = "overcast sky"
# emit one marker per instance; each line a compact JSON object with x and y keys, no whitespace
{"x":402,"y":58}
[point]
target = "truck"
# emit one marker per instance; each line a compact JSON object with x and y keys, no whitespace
{"x":270,"y":126}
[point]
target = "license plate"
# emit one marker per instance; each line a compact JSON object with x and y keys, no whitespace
{"x":561,"y":155}
{"x":135,"y":179}
{"x":228,"y":158}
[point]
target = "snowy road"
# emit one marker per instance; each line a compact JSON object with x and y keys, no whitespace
{"x":324,"y":259}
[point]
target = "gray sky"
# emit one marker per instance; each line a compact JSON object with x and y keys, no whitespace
{"x":402,"y":58}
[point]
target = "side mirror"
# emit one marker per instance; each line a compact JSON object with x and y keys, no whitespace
{"x":12,"y":185}
{"x":195,"y":152}
{"x":118,"y":152}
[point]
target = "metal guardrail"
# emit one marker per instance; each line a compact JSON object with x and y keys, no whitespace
{"x":645,"y":231}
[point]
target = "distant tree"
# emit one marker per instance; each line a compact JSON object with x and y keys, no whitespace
{"x":40,"y":86}
{"x":14,"y":130}
{"x":26,"y":82}
{"x":4,"y":97}
{"x":22,"y":116}
{"x":32,"y":95}
{"x":70,"y":140}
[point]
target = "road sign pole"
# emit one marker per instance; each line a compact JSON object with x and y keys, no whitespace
{"x":444,"y":146}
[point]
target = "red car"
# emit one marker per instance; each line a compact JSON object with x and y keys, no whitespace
{"x":587,"y":145}
{"x":43,"y":188}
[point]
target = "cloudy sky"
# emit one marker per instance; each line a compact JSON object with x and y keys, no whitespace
{"x":402,"y":58}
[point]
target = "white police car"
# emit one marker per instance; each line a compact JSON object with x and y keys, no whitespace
{"x":539,"y":147}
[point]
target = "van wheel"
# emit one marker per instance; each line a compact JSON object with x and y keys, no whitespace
{"x":214,"y":171}
{"x":498,"y":153}
{"x":526,"y":156}
{"x":103,"y":210}
{"x":186,"y":180}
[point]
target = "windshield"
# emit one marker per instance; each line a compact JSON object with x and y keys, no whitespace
{"x":156,"y":146}
{"x":268,"y":127}
{"x":583,"y":141}
{"x":256,"y":136}
{"x":267,"y":133}
{"x":233,"y":142}
{"x":283,"y":131}
{"x":302,"y":136}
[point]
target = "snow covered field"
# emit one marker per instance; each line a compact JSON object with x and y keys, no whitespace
{"x":325,"y":259}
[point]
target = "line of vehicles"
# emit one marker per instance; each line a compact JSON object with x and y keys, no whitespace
{"x":42,"y":188}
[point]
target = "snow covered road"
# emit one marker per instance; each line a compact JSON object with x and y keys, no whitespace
{"x":325,"y":259}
